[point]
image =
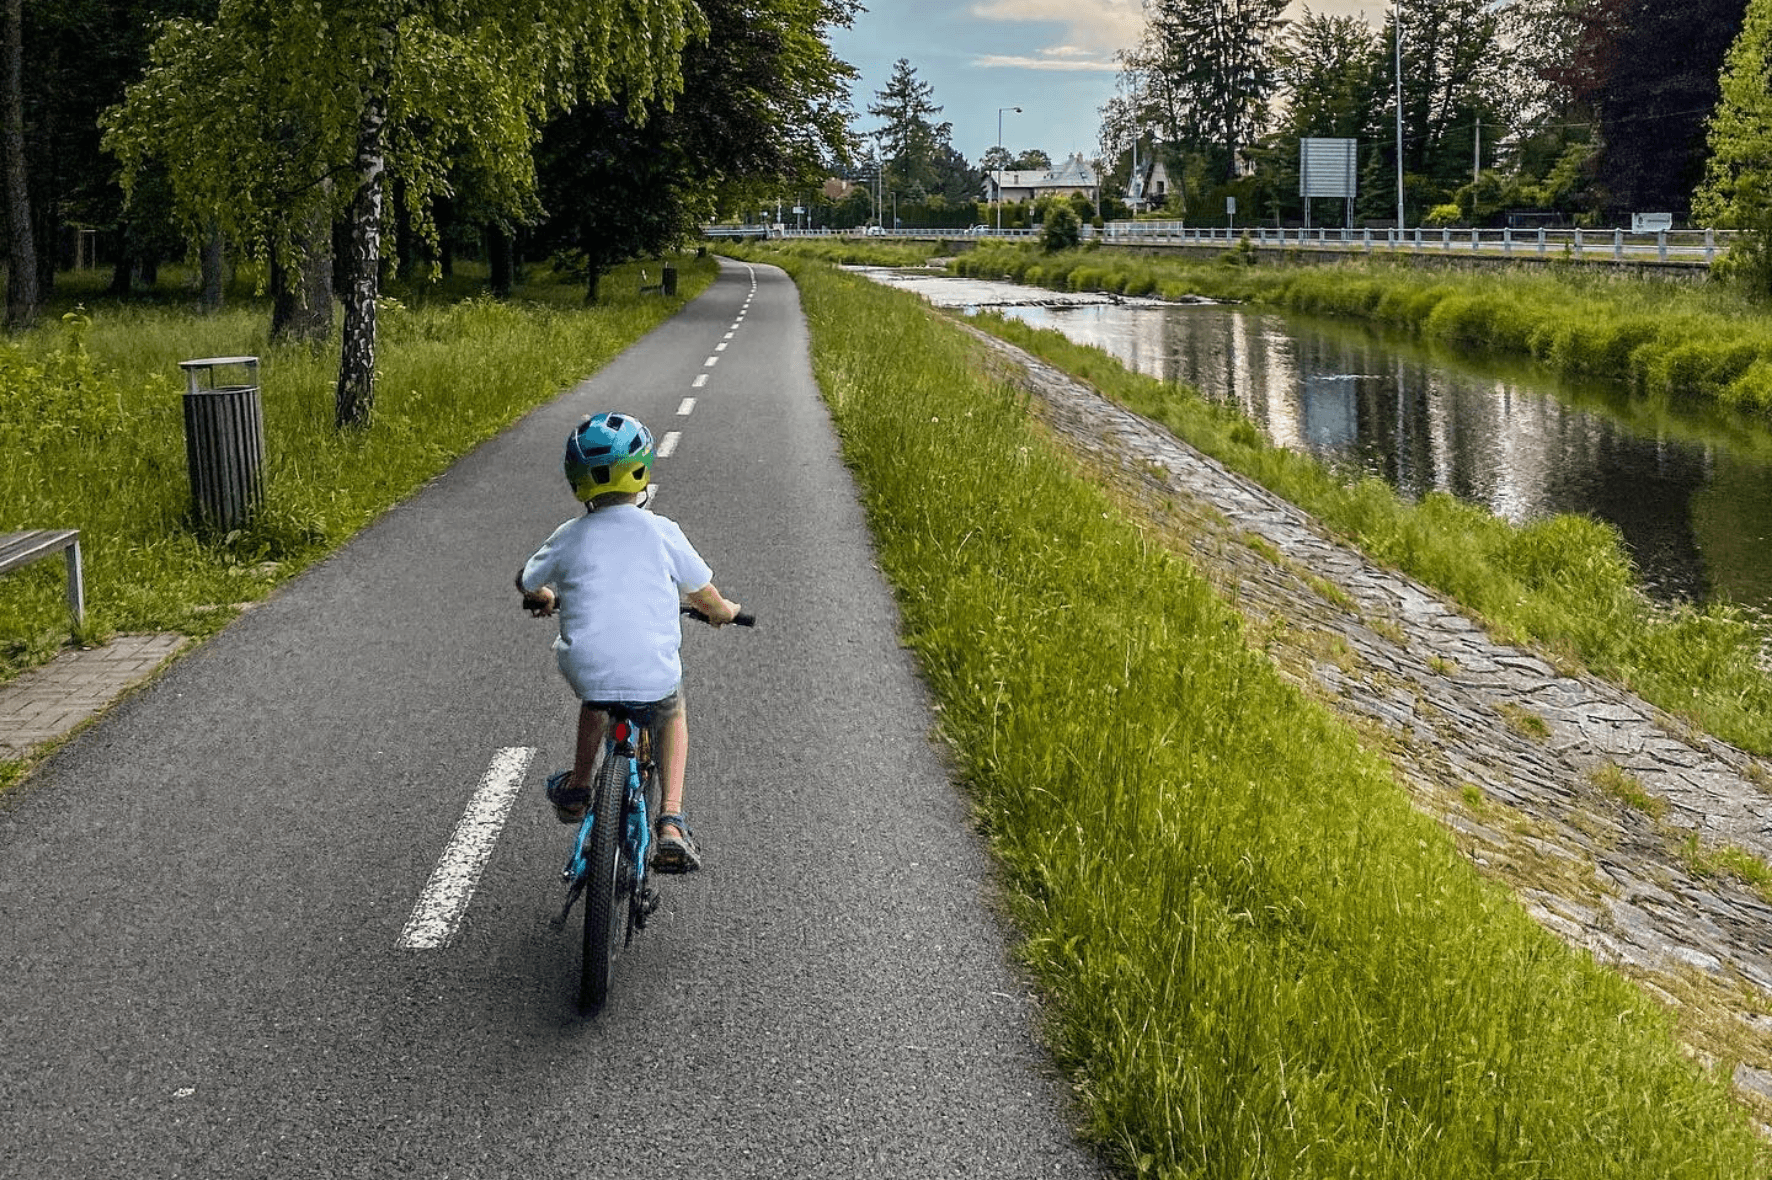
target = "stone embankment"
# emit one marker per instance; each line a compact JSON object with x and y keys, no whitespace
{"x":1602,"y":812}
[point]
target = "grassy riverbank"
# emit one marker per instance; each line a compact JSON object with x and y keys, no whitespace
{"x":1263,"y":961}
{"x":1664,"y":338}
{"x":92,"y":425}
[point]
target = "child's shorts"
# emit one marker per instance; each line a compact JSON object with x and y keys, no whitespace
{"x":651,"y":714}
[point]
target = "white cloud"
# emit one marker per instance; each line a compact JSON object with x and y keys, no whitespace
{"x":1097,"y":28}
{"x":1048,"y":60}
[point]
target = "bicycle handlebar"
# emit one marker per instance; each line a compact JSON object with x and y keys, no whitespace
{"x":743,"y":618}
{"x":534,"y":602}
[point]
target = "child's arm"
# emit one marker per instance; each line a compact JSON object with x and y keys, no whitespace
{"x":710,"y":602}
{"x":539,"y":603}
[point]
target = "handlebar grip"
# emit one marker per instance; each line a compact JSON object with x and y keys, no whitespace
{"x":742,"y":619}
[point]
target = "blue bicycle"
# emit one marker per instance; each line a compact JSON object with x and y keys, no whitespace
{"x":610,"y":865}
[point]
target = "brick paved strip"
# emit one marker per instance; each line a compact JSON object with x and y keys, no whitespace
{"x":45,"y":703}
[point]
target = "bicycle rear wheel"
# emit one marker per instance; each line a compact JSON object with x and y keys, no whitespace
{"x":605,"y":917}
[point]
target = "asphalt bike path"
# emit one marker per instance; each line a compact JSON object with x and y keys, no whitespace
{"x":286,"y":913}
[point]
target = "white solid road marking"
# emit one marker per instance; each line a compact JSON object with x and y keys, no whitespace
{"x":445,"y":897}
{"x":668,"y":443}
{"x":686,"y":407}
{"x":701,"y":379}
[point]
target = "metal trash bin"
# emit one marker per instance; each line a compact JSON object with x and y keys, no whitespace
{"x":224,"y":443}
{"x":670,"y":280}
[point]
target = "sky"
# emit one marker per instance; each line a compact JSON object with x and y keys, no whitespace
{"x":1052,"y":58}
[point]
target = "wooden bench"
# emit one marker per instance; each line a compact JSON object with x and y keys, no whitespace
{"x":21,"y":549}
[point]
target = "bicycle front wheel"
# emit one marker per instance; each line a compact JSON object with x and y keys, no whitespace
{"x":605,"y":918}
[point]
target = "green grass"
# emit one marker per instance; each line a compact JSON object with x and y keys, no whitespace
{"x":91,"y":423}
{"x":1262,"y":960}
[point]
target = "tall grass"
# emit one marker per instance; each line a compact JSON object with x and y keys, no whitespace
{"x":1263,"y":961}
{"x":91,"y":422}
{"x":1663,"y":338}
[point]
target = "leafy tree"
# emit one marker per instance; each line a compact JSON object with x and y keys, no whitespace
{"x":1737,"y":187}
{"x":1062,"y":229}
{"x":1454,"y":71}
{"x":278,"y":117}
{"x":764,"y":104}
{"x":1331,"y":74}
{"x":1652,"y":77}
{"x":1206,"y":68}
{"x":910,"y":140}
{"x":1033,"y":160}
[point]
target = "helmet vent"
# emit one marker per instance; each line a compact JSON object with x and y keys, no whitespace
{"x":615,"y":421}
{"x":600,"y":474}
{"x":595,"y":451}
{"x":635,"y":445}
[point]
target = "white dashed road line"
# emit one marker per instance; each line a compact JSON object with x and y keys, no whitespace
{"x":668,"y":443}
{"x":710,"y":362}
{"x":440,"y":907}
{"x":701,"y":379}
{"x":685,"y":407}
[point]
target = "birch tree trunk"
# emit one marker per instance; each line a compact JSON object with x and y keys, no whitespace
{"x":21,"y":270}
{"x":355,"y":399}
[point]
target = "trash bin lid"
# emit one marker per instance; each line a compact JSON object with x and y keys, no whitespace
{"x":211,"y":362}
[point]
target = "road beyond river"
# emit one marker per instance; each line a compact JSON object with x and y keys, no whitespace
{"x":203,"y":896}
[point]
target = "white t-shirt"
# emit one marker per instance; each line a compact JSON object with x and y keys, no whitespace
{"x":618,"y":573}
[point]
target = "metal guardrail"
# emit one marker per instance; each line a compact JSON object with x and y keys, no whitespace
{"x":1616,"y":244}
{"x":763,"y":231}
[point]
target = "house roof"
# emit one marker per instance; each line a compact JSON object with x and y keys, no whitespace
{"x":1075,"y":172}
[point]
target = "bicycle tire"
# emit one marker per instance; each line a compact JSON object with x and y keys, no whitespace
{"x":603,"y":913}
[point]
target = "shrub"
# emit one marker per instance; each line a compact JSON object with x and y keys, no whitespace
{"x":1063,"y":231}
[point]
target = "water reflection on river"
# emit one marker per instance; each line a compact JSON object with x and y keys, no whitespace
{"x":1689,"y":488}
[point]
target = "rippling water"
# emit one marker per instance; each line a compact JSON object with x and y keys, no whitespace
{"x":1688,"y":487}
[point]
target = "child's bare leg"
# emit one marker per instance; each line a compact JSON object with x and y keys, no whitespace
{"x":591,"y":726}
{"x":673,"y":754}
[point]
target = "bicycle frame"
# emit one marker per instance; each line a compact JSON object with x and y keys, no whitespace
{"x":637,"y":839}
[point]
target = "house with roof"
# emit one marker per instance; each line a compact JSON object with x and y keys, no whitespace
{"x":1074,"y":175}
{"x":1149,"y":185}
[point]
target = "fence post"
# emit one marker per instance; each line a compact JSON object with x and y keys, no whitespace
{"x":1507,"y":240}
{"x":1541,"y":241}
{"x":1476,"y":242}
{"x":1618,"y":245}
{"x":1661,"y":245}
{"x":1710,"y":244}
{"x":1578,"y":241}
{"x":1366,"y":238}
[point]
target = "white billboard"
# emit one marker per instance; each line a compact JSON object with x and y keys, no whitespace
{"x":1327,"y":167}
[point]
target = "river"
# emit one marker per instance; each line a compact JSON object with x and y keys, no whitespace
{"x":1688,"y":485}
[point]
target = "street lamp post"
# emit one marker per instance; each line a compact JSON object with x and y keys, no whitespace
{"x":1000,"y":148}
{"x":1399,"y":40}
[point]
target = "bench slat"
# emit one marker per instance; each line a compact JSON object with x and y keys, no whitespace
{"x":18,"y":549}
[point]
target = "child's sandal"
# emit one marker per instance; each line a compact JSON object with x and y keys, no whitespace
{"x":569,"y":805}
{"x":675,"y":853}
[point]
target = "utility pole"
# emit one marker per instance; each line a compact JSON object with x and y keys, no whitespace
{"x":1399,"y":39}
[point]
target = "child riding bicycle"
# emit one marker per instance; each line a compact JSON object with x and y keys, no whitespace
{"x":615,"y":576}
